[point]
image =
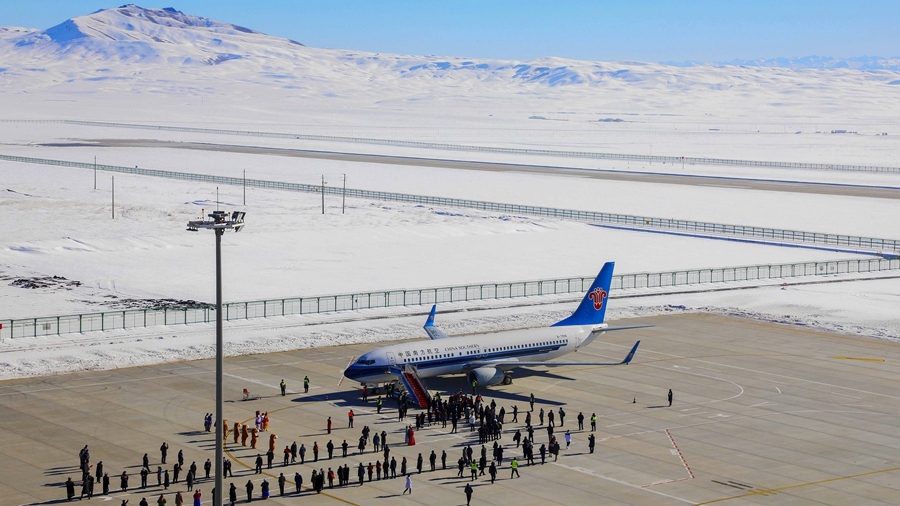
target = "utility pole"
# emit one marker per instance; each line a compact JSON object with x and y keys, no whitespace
{"x":245,"y":187}
{"x":344,"y":195}
{"x":323,"y":193}
{"x":113,"y":197}
{"x":95,"y":172}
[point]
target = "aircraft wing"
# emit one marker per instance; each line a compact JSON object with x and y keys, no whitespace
{"x":517,"y":363}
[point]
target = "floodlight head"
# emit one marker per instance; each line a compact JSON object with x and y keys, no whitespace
{"x":218,"y":221}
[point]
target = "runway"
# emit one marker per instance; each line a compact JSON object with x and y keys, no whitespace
{"x":872,"y":191}
{"x":763,"y":413}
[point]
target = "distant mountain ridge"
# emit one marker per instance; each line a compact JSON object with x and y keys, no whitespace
{"x":132,"y":51}
{"x":808,"y":62}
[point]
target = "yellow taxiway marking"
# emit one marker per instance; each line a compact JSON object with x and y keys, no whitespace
{"x":232,"y":457}
{"x":789,"y":487}
{"x":861,"y":359}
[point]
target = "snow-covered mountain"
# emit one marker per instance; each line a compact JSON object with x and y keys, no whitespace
{"x":137,"y":51}
{"x":810,"y":62}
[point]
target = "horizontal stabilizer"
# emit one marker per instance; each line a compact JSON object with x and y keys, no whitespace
{"x":627,"y":327}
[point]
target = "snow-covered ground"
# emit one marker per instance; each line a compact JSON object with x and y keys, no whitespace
{"x":173,"y":69}
{"x":290,"y":249}
{"x":866,"y":308}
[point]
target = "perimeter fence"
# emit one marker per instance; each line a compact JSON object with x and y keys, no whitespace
{"x":484,"y":149}
{"x":139,"y":318}
{"x":868,"y":244}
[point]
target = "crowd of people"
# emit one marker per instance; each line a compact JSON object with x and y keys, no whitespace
{"x":485,"y":420}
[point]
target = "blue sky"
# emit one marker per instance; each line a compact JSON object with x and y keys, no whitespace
{"x":647,"y":30}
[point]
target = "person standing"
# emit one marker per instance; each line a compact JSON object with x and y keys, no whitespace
{"x":306,"y":384}
{"x":568,"y":439}
{"x":249,"y":487}
{"x":259,"y":463}
{"x":378,"y":405}
{"x":123,"y":481}
{"x":443,"y":459}
{"x":90,"y":490}
{"x":493,"y":472}
{"x":580,"y":420}
{"x":350,"y":419}
{"x":207,"y":467}
{"x":408,"y":485}
{"x":670,"y":397}
{"x":302,"y":452}
{"x":105,"y":483}
{"x":166,"y":481}
{"x":593,"y":422}
{"x":329,"y":425}
{"x":144,"y":473}
{"x":146,"y":462}
{"x":283,"y":388}
{"x":562,"y":417}
{"x":179,"y":500}
{"x":163,"y":450}
{"x":515,"y":468}
{"x":70,"y":488}
{"x":592,"y":441}
{"x":473,"y":467}
{"x":232,"y":494}
{"x":281,"y":481}
{"x":468,"y":491}
{"x":531,"y":402}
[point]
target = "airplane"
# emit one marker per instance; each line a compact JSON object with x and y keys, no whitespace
{"x":489,"y":359}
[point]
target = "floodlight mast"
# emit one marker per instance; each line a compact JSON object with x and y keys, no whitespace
{"x":219,"y":222}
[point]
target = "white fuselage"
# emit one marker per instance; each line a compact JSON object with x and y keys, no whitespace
{"x":453,"y":355}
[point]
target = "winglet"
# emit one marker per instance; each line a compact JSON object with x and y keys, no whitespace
{"x":631,"y":354}
{"x":430,"y":321}
{"x":592,"y":309}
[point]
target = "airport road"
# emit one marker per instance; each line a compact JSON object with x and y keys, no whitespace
{"x":763,"y":414}
{"x":886,"y":192}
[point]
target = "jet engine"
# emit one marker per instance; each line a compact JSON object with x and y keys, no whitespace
{"x":487,"y":375}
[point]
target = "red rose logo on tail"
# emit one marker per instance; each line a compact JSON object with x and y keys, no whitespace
{"x":597,"y":297}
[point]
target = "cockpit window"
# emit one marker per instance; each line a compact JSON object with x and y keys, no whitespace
{"x":365,"y":362}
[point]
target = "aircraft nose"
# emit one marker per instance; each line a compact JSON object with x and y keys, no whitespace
{"x":351,"y":372}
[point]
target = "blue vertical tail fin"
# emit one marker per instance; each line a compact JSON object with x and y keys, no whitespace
{"x":592,"y":309}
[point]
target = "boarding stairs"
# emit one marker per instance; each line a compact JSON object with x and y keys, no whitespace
{"x":415,"y":386}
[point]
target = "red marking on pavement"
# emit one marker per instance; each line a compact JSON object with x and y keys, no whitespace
{"x":342,"y":372}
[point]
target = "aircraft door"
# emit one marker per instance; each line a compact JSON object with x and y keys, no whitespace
{"x":391,"y":359}
{"x":578,"y":340}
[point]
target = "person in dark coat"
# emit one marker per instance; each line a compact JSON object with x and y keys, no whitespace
{"x":105,"y":484}
{"x":232,"y":494}
{"x":281,"y":482}
{"x":468,"y":491}
{"x":70,"y":488}
{"x":249,"y":488}
{"x":123,"y":481}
